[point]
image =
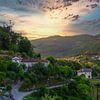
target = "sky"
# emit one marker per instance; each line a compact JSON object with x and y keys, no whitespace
{"x":42,"y":18}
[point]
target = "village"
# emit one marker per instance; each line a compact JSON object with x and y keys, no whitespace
{"x":29,"y":63}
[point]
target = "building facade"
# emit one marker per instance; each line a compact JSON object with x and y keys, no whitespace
{"x":29,"y":63}
{"x":85,"y":71}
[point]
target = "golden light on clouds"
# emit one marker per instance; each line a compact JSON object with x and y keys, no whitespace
{"x":40,"y":25}
{"x":52,"y":22}
{"x":49,"y":19}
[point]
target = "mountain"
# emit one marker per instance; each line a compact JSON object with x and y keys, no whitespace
{"x":59,"y":46}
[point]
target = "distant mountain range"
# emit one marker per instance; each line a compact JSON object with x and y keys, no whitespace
{"x":59,"y":46}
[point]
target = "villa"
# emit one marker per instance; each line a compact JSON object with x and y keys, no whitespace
{"x":85,"y":71}
{"x":29,"y":63}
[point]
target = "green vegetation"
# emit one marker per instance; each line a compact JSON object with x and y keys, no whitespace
{"x":9,"y":73}
{"x":64,"y":72}
{"x":67,"y":46}
{"x":14,"y":42}
{"x":59,"y":72}
{"x":77,"y":89}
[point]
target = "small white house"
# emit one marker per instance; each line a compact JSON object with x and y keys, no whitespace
{"x":85,"y":71}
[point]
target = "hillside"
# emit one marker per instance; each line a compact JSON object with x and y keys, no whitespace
{"x":67,"y":46}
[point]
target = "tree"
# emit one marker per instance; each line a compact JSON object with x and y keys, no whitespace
{"x":43,"y":91}
{"x":3,"y":66}
{"x":32,"y":76}
{"x":51,"y":59}
{"x":40,"y":71}
{"x":37,"y":55}
{"x":84,"y":89}
{"x":63,"y":92}
{"x":66,"y":72}
{"x":72,"y":86}
{"x":21,"y":72}
{"x":27,"y":84}
{"x":13,"y":41}
{"x":53,"y":70}
{"x":74,"y":65}
{"x":12,"y":75}
{"x":11,"y":66}
{"x":2,"y":76}
{"x":25,"y":46}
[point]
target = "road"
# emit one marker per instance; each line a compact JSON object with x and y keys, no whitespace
{"x":20,"y":95}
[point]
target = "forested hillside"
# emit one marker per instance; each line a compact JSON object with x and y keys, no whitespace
{"x":67,"y":46}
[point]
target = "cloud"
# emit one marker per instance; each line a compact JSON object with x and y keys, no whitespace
{"x":42,"y":18}
{"x":88,"y":24}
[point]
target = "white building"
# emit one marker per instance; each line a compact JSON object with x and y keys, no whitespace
{"x":29,"y":63}
{"x":85,"y":71}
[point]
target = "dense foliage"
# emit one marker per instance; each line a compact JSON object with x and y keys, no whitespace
{"x":12,"y":41}
{"x":10,"y":72}
{"x":39,"y":76}
{"x":58,"y":72}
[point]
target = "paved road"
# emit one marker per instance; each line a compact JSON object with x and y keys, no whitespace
{"x":20,"y":95}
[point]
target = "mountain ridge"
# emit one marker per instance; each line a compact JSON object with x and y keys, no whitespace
{"x":60,"y":46}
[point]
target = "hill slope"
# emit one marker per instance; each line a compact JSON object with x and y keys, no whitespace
{"x":67,"y":46}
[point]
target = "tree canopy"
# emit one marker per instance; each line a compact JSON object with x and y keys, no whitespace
{"x":12,"y":41}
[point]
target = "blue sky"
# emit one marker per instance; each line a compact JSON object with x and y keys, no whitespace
{"x":95,"y":14}
{"x":89,"y":23}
